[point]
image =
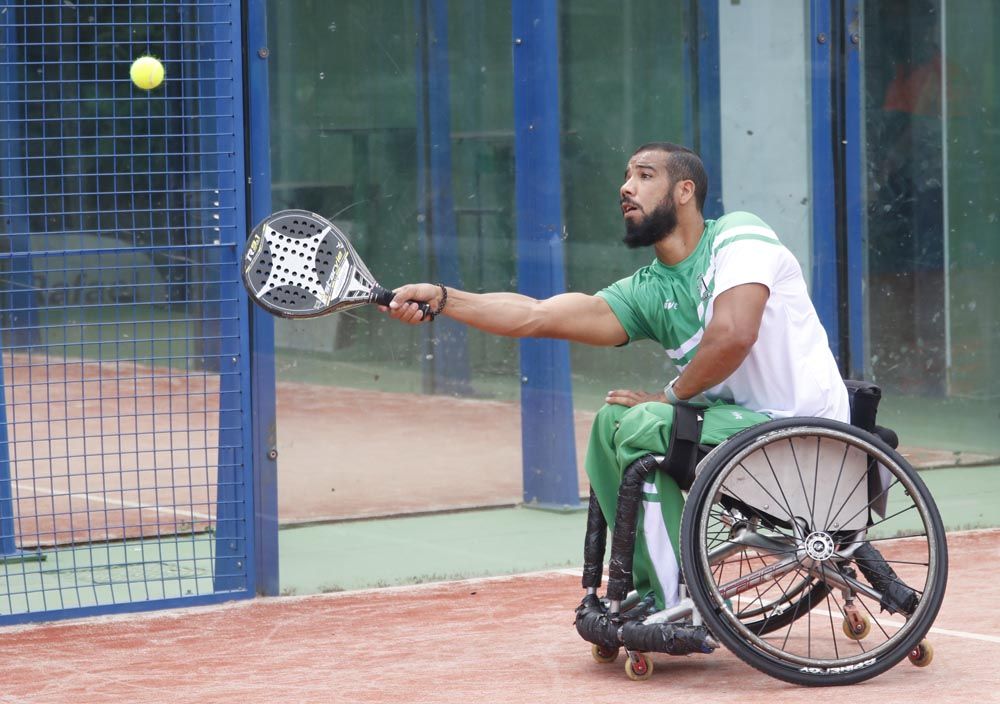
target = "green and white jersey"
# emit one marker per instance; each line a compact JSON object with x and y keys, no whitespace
{"x":790,"y":370}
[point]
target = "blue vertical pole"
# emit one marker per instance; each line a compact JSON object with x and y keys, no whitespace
{"x":854,"y":194}
{"x":264,"y":451}
{"x":9,"y":551}
{"x":690,"y":68}
{"x":14,"y":225}
{"x":235,"y":570}
{"x":709,"y":145}
{"x":825,"y":287}
{"x":702,"y":115}
{"x":447,"y":347}
{"x":549,"y":454}
{"x":8,"y":545}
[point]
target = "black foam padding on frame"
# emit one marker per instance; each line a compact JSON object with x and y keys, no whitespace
{"x":595,"y":625}
{"x":670,"y":638}
{"x":594,"y":544}
{"x":626,"y":517}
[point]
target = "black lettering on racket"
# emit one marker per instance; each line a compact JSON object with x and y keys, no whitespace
{"x":298,"y":264}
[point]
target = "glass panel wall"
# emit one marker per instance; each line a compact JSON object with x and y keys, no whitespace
{"x":634,"y":90}
{"x":931,"y":124}
{"x":395,"y":118}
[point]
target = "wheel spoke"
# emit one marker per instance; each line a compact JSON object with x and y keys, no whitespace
{"x":873,"y":499}
{"x":802,"y":481}
{"x":833,"y":494}
{"x":862,"y":478}
{"x":788,"y":505}
{"x":843,"y":612}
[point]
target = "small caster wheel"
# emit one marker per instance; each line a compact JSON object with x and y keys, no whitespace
{"x":858,"y":628}
{"x":922,"y":654}
{"x":638,"y":667}
{"x":604,"y":655}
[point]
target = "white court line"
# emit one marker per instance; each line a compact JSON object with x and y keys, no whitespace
{"x":885,"y":622}
{"x":123,"y":503}
{"x":934,"y":629}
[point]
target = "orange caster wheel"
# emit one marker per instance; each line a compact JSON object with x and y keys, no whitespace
{"x":922,"y":654}
{"x":638,"y":667}
{"x":604,"y":655}
{"x":857,"y":628}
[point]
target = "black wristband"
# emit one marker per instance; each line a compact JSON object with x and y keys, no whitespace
{"x":444,"y":301}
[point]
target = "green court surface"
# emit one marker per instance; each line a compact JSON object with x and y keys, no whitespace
{"x":411,"y":550}
{"x":101,"y":574}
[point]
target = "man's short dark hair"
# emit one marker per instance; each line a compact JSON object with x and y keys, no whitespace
{"x":682,"y":165}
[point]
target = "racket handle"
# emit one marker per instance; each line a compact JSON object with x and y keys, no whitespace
{"x":383,"y":297}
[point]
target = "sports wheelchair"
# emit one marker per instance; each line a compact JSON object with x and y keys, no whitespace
{"x":810,"y":548}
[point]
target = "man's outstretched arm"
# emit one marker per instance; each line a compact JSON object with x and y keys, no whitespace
{"x":569,"y":316}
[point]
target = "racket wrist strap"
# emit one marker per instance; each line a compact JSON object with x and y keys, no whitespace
{"x":442,"y":303}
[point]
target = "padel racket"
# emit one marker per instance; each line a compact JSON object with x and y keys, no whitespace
{"x":297,"y":264}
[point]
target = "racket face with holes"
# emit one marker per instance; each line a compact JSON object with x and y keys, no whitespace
{"x":297,"y":264}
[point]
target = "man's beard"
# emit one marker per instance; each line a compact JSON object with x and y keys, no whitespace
{"x":654,"y":227}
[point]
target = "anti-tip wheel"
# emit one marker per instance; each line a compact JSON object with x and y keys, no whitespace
{"x":859,"y":629}
{"x":639,"y":667}
{"x":922,"y":654}
{"x":604,"y":655}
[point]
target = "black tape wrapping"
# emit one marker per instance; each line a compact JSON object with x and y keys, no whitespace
{"x":594,"y":544}
{"x":669,"y":638}
{"x":896,"y":596}
{"x":381,"y":296}
{"x":641,"y":609}
{"x":623,"y":539}
{"x":595,"y":625}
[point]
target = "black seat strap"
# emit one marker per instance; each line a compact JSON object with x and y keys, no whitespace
{"x":685,"y":437}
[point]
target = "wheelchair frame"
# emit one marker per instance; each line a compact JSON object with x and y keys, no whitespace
{"x":777,"y":632}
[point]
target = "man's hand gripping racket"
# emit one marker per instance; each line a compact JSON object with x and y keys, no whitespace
{"x":297,"y":264}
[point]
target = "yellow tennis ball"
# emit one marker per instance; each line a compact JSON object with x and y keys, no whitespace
{"x":146,"y":72}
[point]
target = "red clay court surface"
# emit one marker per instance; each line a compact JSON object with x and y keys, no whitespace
{"x":336,"y":444}
{"x":492,"y":640}
{"x":104,"y":451}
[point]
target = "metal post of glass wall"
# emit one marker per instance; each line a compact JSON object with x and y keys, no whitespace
{"x":825,"y":285}
{"x":703,"y":126}
{"x":234,"y":545}
{"x":20,"y":309}
{"x":853,"y":147}
{"x":446,"y":369}
{"x":549,"y":455}
{"x":263,"y":451}
{"x":19,"y":317}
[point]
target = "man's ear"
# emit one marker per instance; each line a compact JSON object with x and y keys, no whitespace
{"x":684,"y":192}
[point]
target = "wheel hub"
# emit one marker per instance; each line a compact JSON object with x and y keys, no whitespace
{"x":819,"y":546}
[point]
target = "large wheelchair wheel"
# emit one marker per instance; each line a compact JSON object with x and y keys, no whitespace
{"x":799,"y":530}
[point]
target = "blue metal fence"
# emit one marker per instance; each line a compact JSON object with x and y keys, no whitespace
{"x":125,"y":439}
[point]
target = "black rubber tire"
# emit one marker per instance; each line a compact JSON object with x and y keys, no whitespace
{"x":787,"y":666}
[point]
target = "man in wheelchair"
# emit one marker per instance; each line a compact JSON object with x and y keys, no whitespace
{"x":729,"y":304}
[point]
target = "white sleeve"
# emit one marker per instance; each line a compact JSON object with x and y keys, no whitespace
{"x":748,"y":261}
